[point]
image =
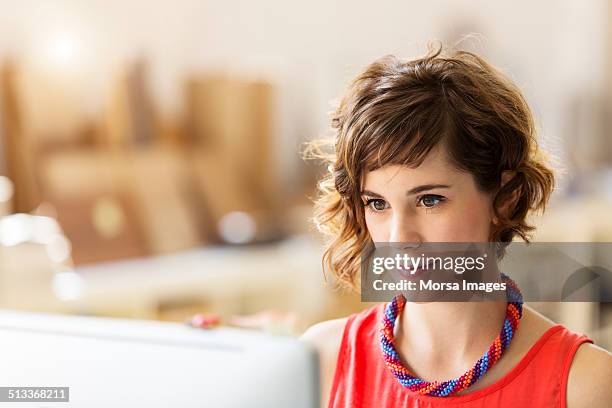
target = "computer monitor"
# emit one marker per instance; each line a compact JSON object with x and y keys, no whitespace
{"x":108,"y":362}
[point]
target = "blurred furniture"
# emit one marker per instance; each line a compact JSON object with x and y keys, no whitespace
{"x":284,"y":276}
{"x":123,"y":204}
{"x":230,"y":126}
{"x":128,"y":182}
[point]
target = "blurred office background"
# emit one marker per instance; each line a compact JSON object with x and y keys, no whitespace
{"x":150,"y":151}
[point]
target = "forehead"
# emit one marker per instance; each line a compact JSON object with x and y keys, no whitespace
{"x":435,"y":169}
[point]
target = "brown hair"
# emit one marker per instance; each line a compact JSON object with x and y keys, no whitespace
{"x":396,"y":112}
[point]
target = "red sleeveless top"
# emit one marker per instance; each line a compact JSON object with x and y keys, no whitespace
{"x":362,"y":379}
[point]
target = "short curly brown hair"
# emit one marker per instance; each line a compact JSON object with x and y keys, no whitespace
{"x":396,"y":112}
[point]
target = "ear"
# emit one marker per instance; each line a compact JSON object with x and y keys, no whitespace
{"x":506,"y":176}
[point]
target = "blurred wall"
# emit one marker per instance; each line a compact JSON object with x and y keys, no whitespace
{"x":553,"y":49}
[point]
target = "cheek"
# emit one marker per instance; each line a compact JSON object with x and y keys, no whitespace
{"x":474,"y":221}
{"x":377,"y":228}
{"x":466,"y":221}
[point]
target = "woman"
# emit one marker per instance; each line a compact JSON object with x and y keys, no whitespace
{"x":441,"y":149}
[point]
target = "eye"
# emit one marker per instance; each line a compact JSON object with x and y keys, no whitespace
{"x":376,"y":204}
{"x":431,"y":200}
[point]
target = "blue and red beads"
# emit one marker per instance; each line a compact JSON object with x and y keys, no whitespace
{"x":514,"y":312}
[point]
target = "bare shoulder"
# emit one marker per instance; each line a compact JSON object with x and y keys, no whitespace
{"x":326,"y":338}
{"x":590,"y":374}
{"x":590,"y":377}
{"x":532,"y":326}
{"x":324,"y":333}
{"x":537,"y":321}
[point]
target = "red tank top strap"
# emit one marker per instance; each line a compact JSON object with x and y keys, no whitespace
{"x":351,"y":355}
{"x":361,"y":378}
{"x":565,"y":346}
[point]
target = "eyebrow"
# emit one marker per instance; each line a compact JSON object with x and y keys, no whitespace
{"x":415,"y":190}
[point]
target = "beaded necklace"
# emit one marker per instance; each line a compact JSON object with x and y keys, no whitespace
{"x":514,"y":312}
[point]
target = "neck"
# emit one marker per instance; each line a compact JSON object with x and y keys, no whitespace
{"x":451,"y":326}
{"x":443,"y":339}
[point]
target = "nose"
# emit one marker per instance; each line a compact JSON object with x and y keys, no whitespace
{"x":404,"y":231}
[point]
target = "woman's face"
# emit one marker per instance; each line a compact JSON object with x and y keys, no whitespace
{"x":431,"y":203}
